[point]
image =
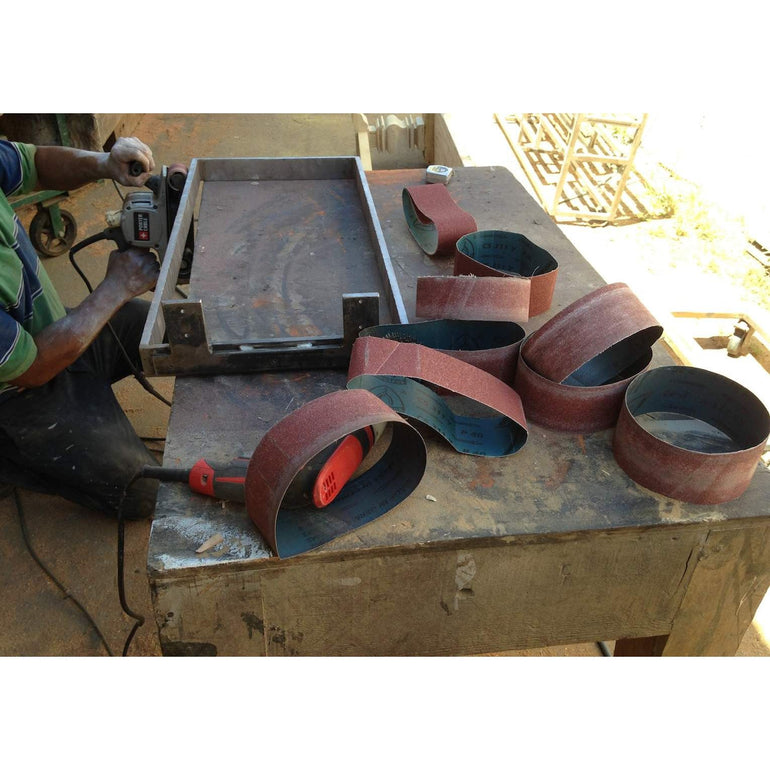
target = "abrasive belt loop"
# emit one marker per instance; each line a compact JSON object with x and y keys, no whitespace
{"x":434,"y":219}
{"x":498,"y":276}
{"x":690,"y":434}
{"x":396,"y":371}
{"x":296,"y":439}
{"x":573,"y":371}
{"x":489,"y":345}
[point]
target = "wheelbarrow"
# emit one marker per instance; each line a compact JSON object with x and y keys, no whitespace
{"x":53,"y":229}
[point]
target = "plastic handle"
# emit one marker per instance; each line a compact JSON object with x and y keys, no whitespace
{"x":340,"y":467}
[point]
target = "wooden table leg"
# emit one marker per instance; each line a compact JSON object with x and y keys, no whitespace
{"x":646,"y":645}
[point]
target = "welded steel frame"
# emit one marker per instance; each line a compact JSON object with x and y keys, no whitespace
{"x":175,"y":340}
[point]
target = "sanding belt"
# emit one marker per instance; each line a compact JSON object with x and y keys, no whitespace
{"x":420,"y":382}
{"x":295,"y":440}
{"x":573,"y":374}
{"x":671,"y":454}
{"x":497,"y":275}
{"x":573,"y":371}
{"x":587,"y":370}
{"x":379,"y":387}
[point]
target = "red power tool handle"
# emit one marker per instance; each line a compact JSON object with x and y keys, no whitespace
{"x":338,"y":469}
{"x":224,"y":482}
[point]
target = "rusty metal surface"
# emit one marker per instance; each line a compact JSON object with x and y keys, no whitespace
{"x":280,"y":242}
{"x":690,"y":434}
{"x":273,"y":258}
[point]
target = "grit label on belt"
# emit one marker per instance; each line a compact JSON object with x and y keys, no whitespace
{"x":395,"y":372}
{"x":434,"y":219}
{"x":293,"y":442}
{"x":498,"y":275}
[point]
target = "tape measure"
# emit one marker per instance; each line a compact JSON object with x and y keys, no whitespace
{"x":437,"y":173}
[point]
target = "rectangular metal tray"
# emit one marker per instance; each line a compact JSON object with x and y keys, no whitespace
{"x":289,"y":264}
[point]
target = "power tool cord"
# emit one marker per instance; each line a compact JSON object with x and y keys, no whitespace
{"x":138,"y":374}
{"x":51,"y":576}
{"x":121,"y":521}
{"x":121,"y":572}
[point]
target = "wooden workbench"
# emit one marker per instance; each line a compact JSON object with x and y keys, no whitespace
{"x":552,"y":545}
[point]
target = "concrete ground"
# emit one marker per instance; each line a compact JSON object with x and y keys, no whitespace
{"x":80,"y":547}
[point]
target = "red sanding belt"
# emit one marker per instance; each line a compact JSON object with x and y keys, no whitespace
{"x":709,"y":461}
{"x":610,"y":316}
{"x":570,"y":408}
{"x":471,"y":298}
{"x":408,"y":361}
{"x":539,"y":288}
{"x":498,"y":276}
{"x":294,"y":441}
{"x":584,"y":359}
{"x":489,"y":345}
{"x":434,"y":219}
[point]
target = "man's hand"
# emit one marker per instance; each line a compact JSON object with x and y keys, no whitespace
{"x":129,"y":274}
{"x":67,"y":168}
{"x":123,"y":152}
{"x":133,"y":271}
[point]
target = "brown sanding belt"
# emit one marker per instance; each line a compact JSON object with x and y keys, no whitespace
{"x":489,"y":345}
{"x":574,"y":370}
{"x":690,"y":434}
{"x":434,"y":219}
{"x":578,"y":372}
{"x":421,"y":383}
{"x":497,"y":275}
{"x":295,"y":440}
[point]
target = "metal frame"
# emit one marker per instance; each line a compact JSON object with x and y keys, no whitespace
{"x":187,"y":348}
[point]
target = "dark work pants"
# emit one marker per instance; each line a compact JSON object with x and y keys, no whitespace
{"x":71,"y":438}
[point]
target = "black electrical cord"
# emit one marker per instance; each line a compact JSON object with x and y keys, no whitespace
{"x":605,"y":649}
{"x":138,"y":374}
{"x":140,"y":377}
{"x":52,"y":577}
{"x":121,"y":572}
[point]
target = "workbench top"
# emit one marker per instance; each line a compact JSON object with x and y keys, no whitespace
{"x":557,"y":484}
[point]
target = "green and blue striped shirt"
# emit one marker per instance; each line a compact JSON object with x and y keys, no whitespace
{"x":28,"y":300}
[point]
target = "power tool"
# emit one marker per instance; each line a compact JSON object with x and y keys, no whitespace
{"x":317,"y":484}
{"x":147,"y":217}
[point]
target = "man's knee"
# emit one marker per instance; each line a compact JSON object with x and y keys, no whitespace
{"x":139,"y":499}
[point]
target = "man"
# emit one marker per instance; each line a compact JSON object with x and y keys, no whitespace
{"x":61,"y":429}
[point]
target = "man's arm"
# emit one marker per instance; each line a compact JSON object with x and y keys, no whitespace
{"x":67,"y":168}
{"x":129,"y":274}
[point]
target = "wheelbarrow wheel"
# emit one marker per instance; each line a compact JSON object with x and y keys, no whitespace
{"x":48,"y":242}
